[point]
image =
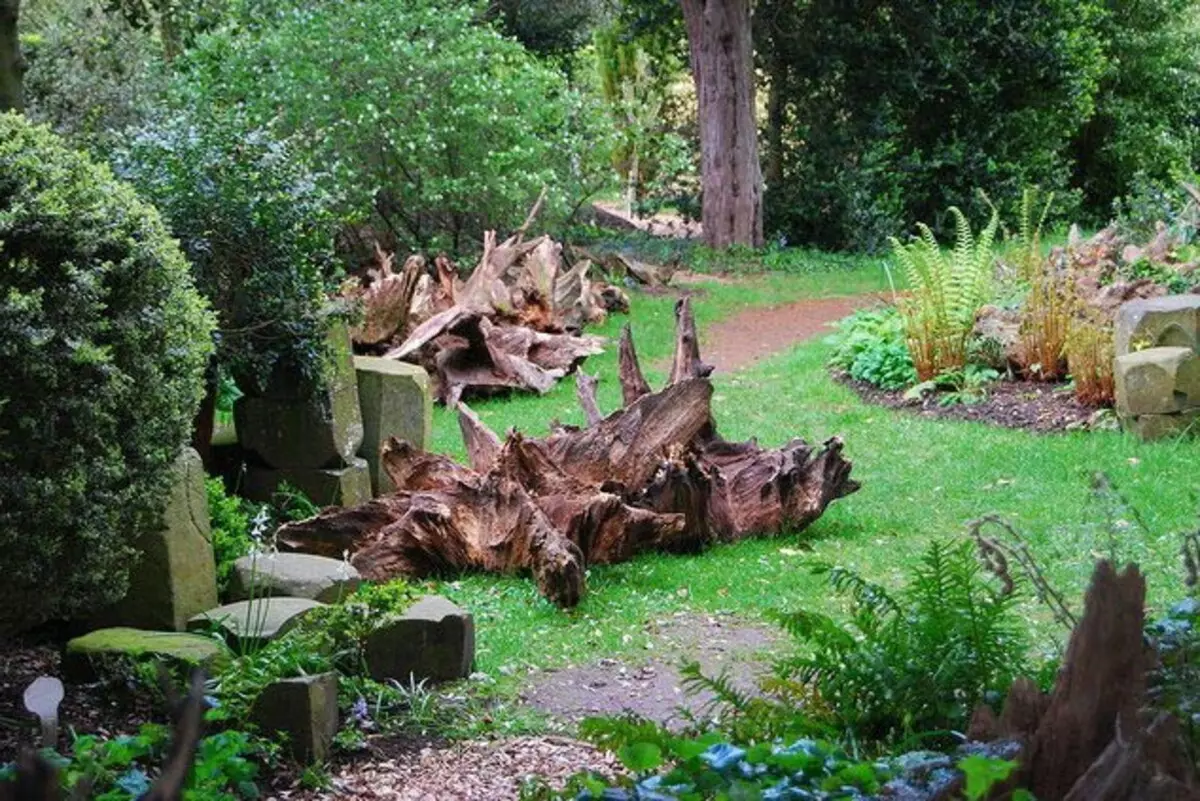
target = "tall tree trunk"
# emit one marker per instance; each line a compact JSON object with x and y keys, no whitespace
{"x":722,"y":61}
{"x":11,"y":65}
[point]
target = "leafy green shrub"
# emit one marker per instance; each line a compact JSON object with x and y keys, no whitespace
{"x":893,"y":112}
{"x":103,"y":342}
{"x":426,"y":117}
{"x":948,"y":290}
{"x":912,"y":663}
{"x":230,"y":522}
{"x":122,"y":768}
{"x":256,"y":224}
{"x":1143,"y":131}
{"x":869,"y":345}
{"x":91,"y":74}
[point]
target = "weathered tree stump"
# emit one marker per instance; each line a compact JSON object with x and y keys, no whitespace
{"x":651,"y":476}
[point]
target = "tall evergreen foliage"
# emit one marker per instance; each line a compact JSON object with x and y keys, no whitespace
{"x":884,"y":112}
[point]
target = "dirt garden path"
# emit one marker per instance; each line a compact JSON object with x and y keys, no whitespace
{"x":758,"y":332}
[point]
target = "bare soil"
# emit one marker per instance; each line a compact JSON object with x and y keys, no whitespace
{"x":651,"y":687}
{"x":1012,"y":404}
{"x":102,"y":709}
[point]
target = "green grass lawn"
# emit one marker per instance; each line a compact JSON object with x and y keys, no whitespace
{"x":921,"y":480}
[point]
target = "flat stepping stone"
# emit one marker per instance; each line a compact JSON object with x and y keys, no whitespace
{"x":294,"y":575}
{"x":82,"y":655}
{"x":258,"y":621}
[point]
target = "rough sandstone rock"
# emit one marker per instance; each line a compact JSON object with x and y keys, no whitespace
{"x":1162,"y":380}
{"x":250,"y":623}
{"x":305,"y":709}
{"x":179,"y":649}
{"x":396,"y":402}
{"x":292,"y":575}
{"x":340,"y":486}
{"x":176,"y":574}
{"x":434,"y":640}
{"x":1172,"y":321}
{"x":1150,"y":427}
{"x":299,"y":427}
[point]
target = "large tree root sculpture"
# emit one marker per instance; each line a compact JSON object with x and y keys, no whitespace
{"x":652,"y":476}
{"x":515,"y":322}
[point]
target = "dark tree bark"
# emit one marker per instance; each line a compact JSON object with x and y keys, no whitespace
{"x":722,"y":62}
{"x":11,"y":65}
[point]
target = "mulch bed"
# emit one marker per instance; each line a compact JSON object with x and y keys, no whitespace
{"x":1029,"y":405}
{"x":106,"y":710}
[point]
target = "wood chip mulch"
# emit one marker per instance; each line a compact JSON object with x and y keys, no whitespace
{"x":483,"y":770}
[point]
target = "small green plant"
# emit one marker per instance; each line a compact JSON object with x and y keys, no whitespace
{"x":869,"y":345}
{"x":947,"y":290}
{"x":914,"y":663}
{"x":300,"y":652}
{"x":349,"y":623}
{"x":964,"y":387}
{"x":226,"y":766}
{"x":982,"y":773}
{"x":662,"y":765}
{"x":291,"y":503}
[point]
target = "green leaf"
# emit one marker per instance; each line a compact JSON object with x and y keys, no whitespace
{"x":641,"y":757}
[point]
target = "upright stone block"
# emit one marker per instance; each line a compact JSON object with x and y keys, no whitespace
{"x":303,"y":708}
{"x":395,"y":400}
{"x":342,"y":486}
{"x":312,"y":429}
{"x":1150,"y":427}
{"x":176,"y":575}
{"x":434,"y":640}
{"x":1172,"y":321}
{"x":1156,"y":380}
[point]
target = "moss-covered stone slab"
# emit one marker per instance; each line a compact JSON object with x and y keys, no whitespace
{"x":1156,"y":380}
{"x":83,"y":655}
{"x":396,"y":402}
{"x":305,"y":710}
{"x":295,"y":575}
{"x":176,"y":574}
{"x":1172,"y":321}
{"x":251,"y":623}
{"x":434,"y":640}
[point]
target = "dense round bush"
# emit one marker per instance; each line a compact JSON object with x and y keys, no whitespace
{"x":257,"y":225}
{"x":103,"y":344}
{"x":434,"y":125}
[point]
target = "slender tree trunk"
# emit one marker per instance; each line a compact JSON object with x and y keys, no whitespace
{"x":722,"y":61}
{"x":11,"y":65}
